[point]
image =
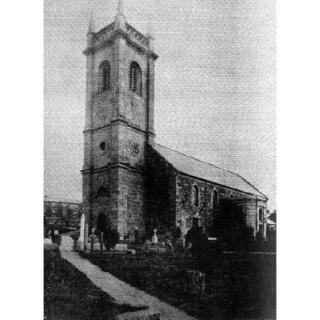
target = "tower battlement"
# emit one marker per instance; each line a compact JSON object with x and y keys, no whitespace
{"x":106,"y":35}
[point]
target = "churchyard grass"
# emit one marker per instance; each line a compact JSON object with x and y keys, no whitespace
{"x":238,"y":286}
{"x":70,"y":295}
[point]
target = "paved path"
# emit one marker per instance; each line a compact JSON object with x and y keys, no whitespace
{"x":120,"y":291}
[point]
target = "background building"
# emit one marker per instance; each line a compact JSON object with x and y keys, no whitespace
{"x":61,"y":214}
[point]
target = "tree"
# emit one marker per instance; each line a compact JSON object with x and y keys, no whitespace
{"x":273,"y":216}
{"x":231,"y":227}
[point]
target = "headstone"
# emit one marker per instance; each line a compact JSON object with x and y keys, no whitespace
{"x":80,"y":241}
{"x":47,"y":241}
{"x":121,"y":247}
{"x":154,"y":239}
{"x":131,"y":237}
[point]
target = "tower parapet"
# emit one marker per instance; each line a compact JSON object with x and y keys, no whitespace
{"x":120,"y":28}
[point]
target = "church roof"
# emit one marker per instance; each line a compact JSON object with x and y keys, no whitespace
{"x":61,"y":200}
{"x":206,"y":171}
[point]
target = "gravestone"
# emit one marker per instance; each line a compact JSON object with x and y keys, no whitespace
{"x":154,"y":239}
{"x":80,"y":241}
{"x":121,"y":247}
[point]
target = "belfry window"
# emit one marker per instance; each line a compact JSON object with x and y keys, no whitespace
{"x":104,"y":76}
{"x":195,"y":196}
{"x":135,"y":81}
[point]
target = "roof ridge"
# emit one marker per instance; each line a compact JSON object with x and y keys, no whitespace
{"x":245,"y":180}
{"x":210,"y":164}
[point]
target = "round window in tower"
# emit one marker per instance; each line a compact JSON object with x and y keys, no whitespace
{"x":103,"y":146}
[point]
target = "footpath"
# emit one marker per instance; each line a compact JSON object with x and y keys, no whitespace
{"x":120,"y":291}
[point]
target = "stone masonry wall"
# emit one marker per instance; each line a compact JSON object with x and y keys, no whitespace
{"x":186,"y":209}
{"x":131,"y":200}
{"x":160,"y":188}
{"x":208,"y":206}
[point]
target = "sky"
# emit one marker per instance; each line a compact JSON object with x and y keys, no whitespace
{"x":215,"y":84}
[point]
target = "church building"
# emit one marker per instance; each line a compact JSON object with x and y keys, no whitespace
{"x":128,"y":178}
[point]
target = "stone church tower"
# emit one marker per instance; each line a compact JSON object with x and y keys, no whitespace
{"x":119,"y":123}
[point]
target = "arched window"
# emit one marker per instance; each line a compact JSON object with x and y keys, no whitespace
{"x":261,"y":216}
{"x":214,"y":199}
{"x":135,"y":81}
{"x":104,"y":76}
{"x":195,"y":196}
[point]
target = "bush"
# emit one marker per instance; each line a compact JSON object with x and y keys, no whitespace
{"x":231,"y":228}
{"x":272,"y":240}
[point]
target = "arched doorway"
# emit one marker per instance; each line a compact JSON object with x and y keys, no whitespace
{"x":102,"y":222}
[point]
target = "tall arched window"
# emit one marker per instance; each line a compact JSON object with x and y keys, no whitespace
{"x":261,"y":216}
{"x":195,"y":196}
{"x":214,"y":199}
{"x":104,"y":76}
{"x":135,"y":80}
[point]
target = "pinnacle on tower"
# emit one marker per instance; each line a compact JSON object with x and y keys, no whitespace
{"x":91,"y":26}
{"x":150,"y":31}
{"x":120,"y":10}
{"x":150,"y":36}
{"x":120,"y":18}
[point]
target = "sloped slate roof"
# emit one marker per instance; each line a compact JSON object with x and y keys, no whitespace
{"x":206,"y":171}
{"x":62,"y":200}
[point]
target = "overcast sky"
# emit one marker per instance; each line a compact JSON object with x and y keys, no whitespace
{"x":215,"y":84}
